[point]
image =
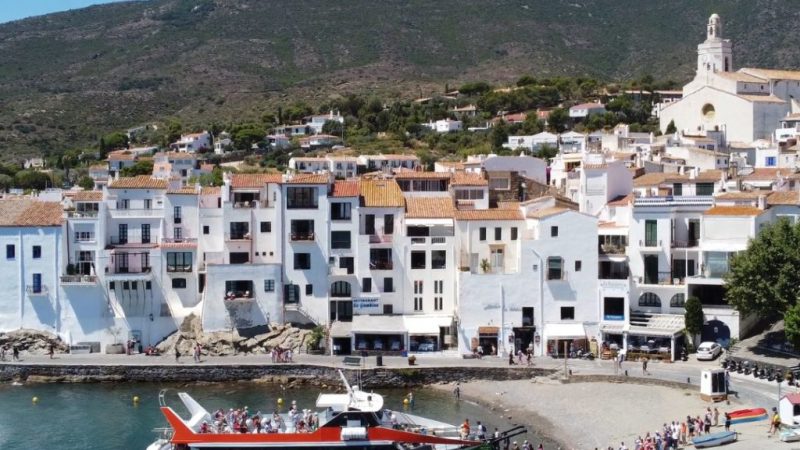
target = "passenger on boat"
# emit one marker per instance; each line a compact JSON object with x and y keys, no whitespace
{"x":464,"y":430}
{"x":204,"y":428}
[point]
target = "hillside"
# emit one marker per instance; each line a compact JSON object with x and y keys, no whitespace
{"x":66,"y":78}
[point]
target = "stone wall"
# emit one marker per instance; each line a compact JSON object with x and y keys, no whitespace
{"x":290,"y":375}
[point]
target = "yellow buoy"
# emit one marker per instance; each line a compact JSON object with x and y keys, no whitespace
{"x":35,"y":399}
{"x":280,"y":401}
{"x":135,"y":399}
{"x":405,"y":401}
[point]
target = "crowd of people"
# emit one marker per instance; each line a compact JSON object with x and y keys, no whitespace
{"x":240,"y":420}
{"x":680,"y":432}
{"x":281,"y":355}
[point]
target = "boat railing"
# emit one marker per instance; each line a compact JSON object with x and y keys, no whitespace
{"x":162,"y":402}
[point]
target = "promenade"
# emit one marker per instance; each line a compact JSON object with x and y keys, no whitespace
{"x":595,"y":405}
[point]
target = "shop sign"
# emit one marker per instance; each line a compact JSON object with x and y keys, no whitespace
{"x":366,"y":305}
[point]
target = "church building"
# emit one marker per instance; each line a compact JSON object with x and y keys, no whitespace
{"x":745,"y":105}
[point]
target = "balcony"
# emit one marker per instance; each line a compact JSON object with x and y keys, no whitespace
{"x":612,"y":249}
{"x":79,"y":280}
{"x":381,"y":265}
{"x":690,"y":243}
{"x":418,"y":240}
{"x":239,"y":297}
{"x":36,"y":291}
{"x":663,"y":279}
{"x":380,"y":238}
{"x":82,"y":214}
{"x":120,"y":241}
{"x":336,"y":271}
{"x":117,"y":213}
{"x":238,"y":237}
{"x":303,"y":236}
{"x":249,"y":204}
{"x":650,"y":245}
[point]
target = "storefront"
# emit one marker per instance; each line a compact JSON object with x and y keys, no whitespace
{"x":341,"y":341}
{"x":565,"y":338}
{"x":427,"y":334}
{"x":487,"y":340}
{"x":378,"y":333}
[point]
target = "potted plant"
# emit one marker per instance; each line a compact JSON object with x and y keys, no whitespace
{"x":70,"y":269}
{"x":412,"y":360}
{"x":116,"y":348}
{"x":485,"y":266}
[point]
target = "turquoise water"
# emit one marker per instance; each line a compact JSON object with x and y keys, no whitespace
{"x":103,"y":416}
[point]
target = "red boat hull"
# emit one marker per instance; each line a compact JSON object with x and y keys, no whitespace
{"x":748,"y":415}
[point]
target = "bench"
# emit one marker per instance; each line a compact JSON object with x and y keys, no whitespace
{"x":80,"y":349}
{"x":352,"y":361}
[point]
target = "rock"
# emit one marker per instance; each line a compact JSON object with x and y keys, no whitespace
{"x":33,"y":341}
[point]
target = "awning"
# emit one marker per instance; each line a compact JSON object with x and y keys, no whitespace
{"x":615,"y":328}
{"x":378,"y":324}
{"x":341,"y":329}
{"x":492,"y":331}
{"x":664,"y":325}
{"x":564,"y":331}
{"x":426,"y":325}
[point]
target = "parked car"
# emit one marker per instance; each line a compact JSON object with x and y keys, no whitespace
{"x":708,"y":351}
{"x":426,"y":347}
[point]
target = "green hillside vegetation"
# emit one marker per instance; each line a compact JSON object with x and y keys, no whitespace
{"x":68,"y":79}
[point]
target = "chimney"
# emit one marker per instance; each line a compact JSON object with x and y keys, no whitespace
{"x":762,"y":202}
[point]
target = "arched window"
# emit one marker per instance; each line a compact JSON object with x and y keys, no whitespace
{"x":340,"y":289}
{"x":708,"y":111}
{"x":677,"y":301}
{"x":649,"y":299}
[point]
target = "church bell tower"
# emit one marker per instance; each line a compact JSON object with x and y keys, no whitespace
{"x":716,"y":53}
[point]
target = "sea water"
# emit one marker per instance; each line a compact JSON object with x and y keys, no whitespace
{"x":104,"y":416}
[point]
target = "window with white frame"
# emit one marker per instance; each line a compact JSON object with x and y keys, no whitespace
{"x":500,"y":183}
{"x":418,"y":288}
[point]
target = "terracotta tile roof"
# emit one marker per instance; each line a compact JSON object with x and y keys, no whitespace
{"x":765,"y":174}
{"x":622,"y":200}
{"x":210,"y":190}
{"x":345,"y":189}
{"x":254,"y":180}
{"x":138,"y":182}
{"x":752,"y":195}
{"x":790,"y":198}
{"x":415,"y":175}
{"x":468,"y":179}
{"x":595,"y":166}
{"x":763,"y":98}
{"x":489,"y":214}
{"x":309,"y":178}
{"x":178,"y":244}
{"x":546,"y":212}
{"x":186,"y":190}
{"x":381,"y":194}
{"x":733,"y":211}
{"x":429,"y":207}
{"x":30,"y":213}
{"x":650,"y":179}
{"x":121,"y":155}
{"x":774,"y":74}
{"x":508,"y":205}
{"x":709,"y":175}
{"x":588,"y":105}
{"x":88,"y":196}
{"x":98,"y":167}
{"x":207,"y":167}
{"x":741,"y":76}
{"x":400,"y":157}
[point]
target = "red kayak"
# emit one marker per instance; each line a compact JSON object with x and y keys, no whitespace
{"x":748,"y":415}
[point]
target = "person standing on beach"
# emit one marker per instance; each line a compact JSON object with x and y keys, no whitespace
{"x":727,"y":422}
{"x":457,"y":392}
{"x":716,"y":417}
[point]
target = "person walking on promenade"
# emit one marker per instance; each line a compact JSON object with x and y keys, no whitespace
{"x":177,"y":354}
{"x":15,"y":353}
{"x":51,"y":350}
{"x":775,"y":422}
{"x":197,"y":352}
{"x":644,"y":366}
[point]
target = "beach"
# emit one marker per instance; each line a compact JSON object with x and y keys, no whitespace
{"x":591,"y":415}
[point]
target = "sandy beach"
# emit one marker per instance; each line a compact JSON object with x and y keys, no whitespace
{"x":597,"y":414}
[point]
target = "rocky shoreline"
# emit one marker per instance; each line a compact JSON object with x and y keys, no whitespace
{"x":289,"y":375}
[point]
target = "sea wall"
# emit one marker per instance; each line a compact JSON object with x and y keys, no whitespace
{"x":290,"y":375}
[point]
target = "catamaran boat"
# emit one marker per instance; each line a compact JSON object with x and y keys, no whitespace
{"x":356,"y":420}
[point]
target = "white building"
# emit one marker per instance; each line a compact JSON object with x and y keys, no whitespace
{"x":316,"y":122}
{"x":746,"y":105}
{"x":445,"y":125}
{"x":193,"y":142}
{"x":584,"y":110}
